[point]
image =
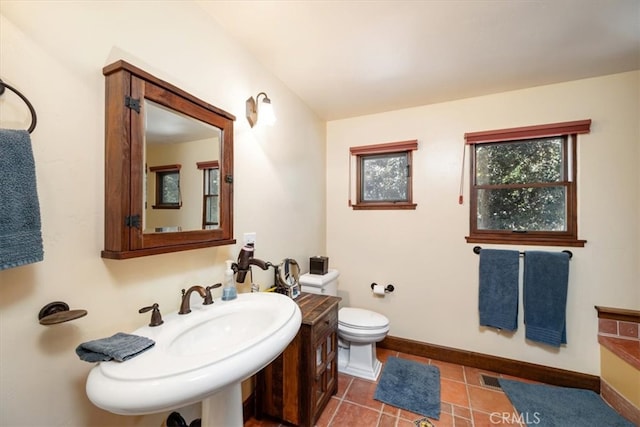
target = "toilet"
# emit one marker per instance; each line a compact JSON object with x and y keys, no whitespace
{"x":358,"y":329}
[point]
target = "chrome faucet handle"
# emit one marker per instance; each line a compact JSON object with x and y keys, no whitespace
{"x":156,"y":317}
{"x":208,"y":299}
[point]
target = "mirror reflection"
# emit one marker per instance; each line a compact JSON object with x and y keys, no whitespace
{"x":182,"y":172}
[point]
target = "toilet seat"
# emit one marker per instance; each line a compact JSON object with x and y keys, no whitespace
{"x":361,"y":319}
{"x":362,"y":326}
{"x":362,"y":335}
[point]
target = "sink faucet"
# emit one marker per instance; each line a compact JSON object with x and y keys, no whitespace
{"x":245,"y":261}
{"x":205,"y":293}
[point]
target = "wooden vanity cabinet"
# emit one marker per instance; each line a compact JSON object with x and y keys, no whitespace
{"x":297,"y":386}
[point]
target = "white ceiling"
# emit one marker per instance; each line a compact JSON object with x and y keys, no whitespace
{"x":354,"y":57}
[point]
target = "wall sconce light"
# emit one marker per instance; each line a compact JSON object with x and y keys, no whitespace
{"x":266,"y":110}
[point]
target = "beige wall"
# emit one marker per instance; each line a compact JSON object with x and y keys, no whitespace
{"x":54,"y":53}
{"x":423,"y":253}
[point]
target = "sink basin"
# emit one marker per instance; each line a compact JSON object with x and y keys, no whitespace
{"x":197,"y":355}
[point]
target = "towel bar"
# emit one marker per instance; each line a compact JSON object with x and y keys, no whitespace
{"x":32,"y":110}
{"x":477,"y":249}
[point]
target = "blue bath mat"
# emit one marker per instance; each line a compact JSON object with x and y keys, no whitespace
{"x":543,"y":405}
{"x":410,"y":385}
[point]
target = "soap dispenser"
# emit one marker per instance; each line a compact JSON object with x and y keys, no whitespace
{"x":229,"y":290}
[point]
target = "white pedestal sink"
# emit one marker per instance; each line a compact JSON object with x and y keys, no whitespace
{"x":199,"y":357}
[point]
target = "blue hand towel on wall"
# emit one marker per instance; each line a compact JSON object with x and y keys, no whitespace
{"x":498,"y":292}
{"x":20,"y":234}
{"x":546,"y":277}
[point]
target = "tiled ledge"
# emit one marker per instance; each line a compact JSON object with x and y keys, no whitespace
{"x":624,"y":314}
{"x":618,"y":331}
{"x":626,"y":349}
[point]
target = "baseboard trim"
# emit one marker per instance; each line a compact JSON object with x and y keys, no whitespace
{"x":620,"y":403}
{"x":497,"y":364}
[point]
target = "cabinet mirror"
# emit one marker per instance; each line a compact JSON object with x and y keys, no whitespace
{"x":168,"y":167}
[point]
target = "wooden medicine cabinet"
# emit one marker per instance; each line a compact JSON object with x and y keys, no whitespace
{"x":150,"y":124}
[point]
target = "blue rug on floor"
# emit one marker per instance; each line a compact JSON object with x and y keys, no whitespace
{"x":410,"y":385}
{"x":550,"y":406}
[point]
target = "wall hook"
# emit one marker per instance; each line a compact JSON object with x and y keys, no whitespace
{"x":58,"y":312}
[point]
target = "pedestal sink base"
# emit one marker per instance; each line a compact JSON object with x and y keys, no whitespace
{"x":223,"y":408}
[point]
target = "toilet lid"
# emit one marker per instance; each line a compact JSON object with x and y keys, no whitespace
{"x":359,"y":318}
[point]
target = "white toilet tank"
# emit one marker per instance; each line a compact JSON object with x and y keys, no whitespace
{"x":324,"y":284}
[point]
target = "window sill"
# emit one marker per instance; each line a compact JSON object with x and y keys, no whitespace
{"x":166,"y":206}
{"x":384,"y":206}
{"x":520,"y":239}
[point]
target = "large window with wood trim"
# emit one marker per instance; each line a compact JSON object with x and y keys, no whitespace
{"x":523,"y":185}
{"x":383,"y":175}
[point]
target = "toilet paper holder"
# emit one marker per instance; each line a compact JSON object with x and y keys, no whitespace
{"x":387,"y":289}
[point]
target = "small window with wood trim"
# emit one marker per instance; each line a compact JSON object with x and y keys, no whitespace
{"x":383,"y":175}
{"x":523,"y":185}
{"x":211,"y":194}
{"x":167,"y":186}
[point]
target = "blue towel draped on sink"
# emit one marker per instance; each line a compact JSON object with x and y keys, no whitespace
{"x":20,"y":234}
{"x":546,"y":276}
{"x":118,"y":347}
{"x":498,"y":291}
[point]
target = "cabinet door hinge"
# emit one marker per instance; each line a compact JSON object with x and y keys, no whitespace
{"x":228,"y":179}
{"x":132,"y":221}
{"x":133,"y":103}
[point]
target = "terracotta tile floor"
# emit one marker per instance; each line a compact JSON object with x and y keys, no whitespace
{"x":466,"y":401}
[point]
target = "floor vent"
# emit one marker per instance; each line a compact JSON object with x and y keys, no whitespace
{"x":490,"y":381}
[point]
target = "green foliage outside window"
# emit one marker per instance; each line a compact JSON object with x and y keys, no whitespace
{"x":384,"y":177}
{"x":521,"y":185}
{"x":170,"y":187}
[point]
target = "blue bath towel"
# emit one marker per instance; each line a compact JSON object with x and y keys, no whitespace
{"x":20,"y":234}
{"x":498,"y":292}
{"x":118,"y":347}
{"x":546,"y":277}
